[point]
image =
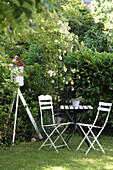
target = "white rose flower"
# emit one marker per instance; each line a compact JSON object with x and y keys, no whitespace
{"x":60,"y":22}
{"x":65,"y":69}
{"x":56,"y":40}
{"x":42,"y":28}
{"x":50,"y":72}
{"x":60,"y":57}
{"x":59,"y":50}
{"x":53,"y":81}
{"x":63,"y":30}
{"x":30,"y":20}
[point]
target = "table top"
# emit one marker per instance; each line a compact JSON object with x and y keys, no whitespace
{"x":76,"y":107}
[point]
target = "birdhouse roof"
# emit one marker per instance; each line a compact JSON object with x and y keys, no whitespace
{"x":16,"y":62}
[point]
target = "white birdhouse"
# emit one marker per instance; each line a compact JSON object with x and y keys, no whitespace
{"x":17,"y":71}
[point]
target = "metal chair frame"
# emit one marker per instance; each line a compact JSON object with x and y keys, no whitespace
{"x":45,"y":103}
{"x":103,"y":107}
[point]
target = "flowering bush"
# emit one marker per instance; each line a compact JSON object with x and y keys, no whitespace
{"x":52,"y":44}
{"x":103,"y":14}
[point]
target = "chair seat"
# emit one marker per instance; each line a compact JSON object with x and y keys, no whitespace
{"x":59,"y":124}
{"x":89,"y":125}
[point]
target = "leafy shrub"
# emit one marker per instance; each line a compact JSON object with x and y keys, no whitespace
{"x":7,"y":89}
{"x":98,"y":39}
{"x":93,"y":77}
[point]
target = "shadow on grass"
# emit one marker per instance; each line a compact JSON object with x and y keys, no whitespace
{"x":27,"y":157}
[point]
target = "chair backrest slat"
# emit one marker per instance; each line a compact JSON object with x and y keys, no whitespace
{"x":104,"y":107}
{"x":105,"y":104}
{"x":45,"y":103}
{"x":46,"y":97}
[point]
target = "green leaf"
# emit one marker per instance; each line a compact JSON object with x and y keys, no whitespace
{"x":29,"y":1}
{"x":37,"y":3}
{"x":27,"y":12}
{"x":17,"y":13}
{"x":21,"y":2}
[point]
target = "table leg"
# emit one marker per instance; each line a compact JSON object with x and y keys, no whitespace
{"x":74,"y":128}
{"x":70,"y":133}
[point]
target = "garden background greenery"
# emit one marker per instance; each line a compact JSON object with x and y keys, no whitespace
{"x":68,"y":52}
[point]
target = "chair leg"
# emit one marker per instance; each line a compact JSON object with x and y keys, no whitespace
{"x":91,"y":143}
{"x":48,"y":138}
{"x":43,"y":144}
{"x":60,"y":135}
{"x":70,"y":134}
{"x":100,"y":146}
{"x":92,"y":146}
{"x":51,"y":143}
{"x":85,"y":137}
{"x":95,"y":140}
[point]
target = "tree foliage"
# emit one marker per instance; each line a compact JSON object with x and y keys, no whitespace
{"x":14,"y":12}
{"x":79,"y":18}
{"x":43,"y":47}
{"x":97,"y":38}
{"x":103,"y":11}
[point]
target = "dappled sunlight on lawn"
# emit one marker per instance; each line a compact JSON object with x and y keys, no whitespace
{"x":56,"y":168}
{"x":109,"y":150}
{"x":109,"y":163}
{"x":101,"y":161}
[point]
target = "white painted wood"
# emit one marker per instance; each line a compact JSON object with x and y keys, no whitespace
{"x":71,"y":107}
{"x":16,"y":75}
{"x":85,"y":107}
{"x":19,"y":94}
{"x":90,"y":107}
{"x":66,"y":107}
{"x":15,"y":118}
{"x":81,"y":107}
{"x":44,"y":97}
{"x":62,"y":107}
{"x":104,"y":104}
{"x":12,"y":104}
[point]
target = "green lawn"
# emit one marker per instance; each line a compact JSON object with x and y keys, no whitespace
{"x":26,"y":156}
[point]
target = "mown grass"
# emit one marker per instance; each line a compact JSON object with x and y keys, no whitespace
{"x":25,"y":156}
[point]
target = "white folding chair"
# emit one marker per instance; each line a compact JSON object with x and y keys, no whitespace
{"x":103,"y":108}
{"x":46,"y":104}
